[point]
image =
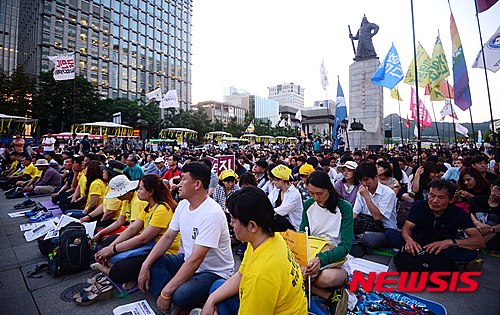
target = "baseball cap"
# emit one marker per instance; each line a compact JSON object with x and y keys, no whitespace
{"x":349,"y":164}
{"x":114,"y":167}
{"x":226,"y":174}
{"x":159,"y":160}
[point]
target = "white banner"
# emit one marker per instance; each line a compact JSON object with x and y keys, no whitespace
{"x":170,"y":100}
{"x":298,"y":115}
{"x":155,"y":94}
{"x":461,"y":129}
{"x":491,"y":54}
{"x":64,"y":66}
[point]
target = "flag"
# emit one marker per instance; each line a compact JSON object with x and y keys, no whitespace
{"x":324,"y":78}
{"x":483,"y":5}
{"x":415,"y":131}
{"x":170,"y":100}
{"x":64,"y":68}
{"x":302,"y":134}
{"x":444,"y":91}
{"x":425,"y":118}
{"x":448,"y":110}
{"x":408,"y":122}
{"x":340,"y":114}
{"x":298,"y":115}
{"x":395,"y":94}
{"x":438,"y":70}
{"x":250,"y":128}
{"x":491,"y":54}
{"x":461,"y":129}
{"x":390,"y":72}
{"x":423,"y":65}
{"x":155,"y":94}
{"x":460,"y":76}
{"x":282,"y":123}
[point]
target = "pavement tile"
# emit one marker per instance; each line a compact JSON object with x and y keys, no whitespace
{"x":14,"y":298}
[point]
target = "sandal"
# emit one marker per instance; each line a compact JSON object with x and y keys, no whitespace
{"x":89,"y":297}
{"x":98,"y":278}
{"x":96,"y":285}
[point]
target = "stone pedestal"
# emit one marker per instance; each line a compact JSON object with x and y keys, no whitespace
{"x":366,"y":105}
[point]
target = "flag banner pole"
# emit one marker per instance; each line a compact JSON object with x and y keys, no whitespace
{"x":487,"y":84}
{"x":400,"y":122}
{"x":452,"y":115}
{"x":419,"y":139}
{"x":473,"y":137}
{"x":435,"y":121}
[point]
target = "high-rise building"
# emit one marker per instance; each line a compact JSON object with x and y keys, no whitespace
{"x":9,"y":15}
{"x":222,"y":112}
{"x":289,"y":94}
{"x":258,"y":107}
{"x":124,"y":47}
{"x":325,"y":103}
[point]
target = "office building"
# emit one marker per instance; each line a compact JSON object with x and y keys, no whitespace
{"x":325,"y":103}
{"x":221,"y":111}
{"x":289,"y":94}
{"x":9,"y":15}
{"x":123,"y":47}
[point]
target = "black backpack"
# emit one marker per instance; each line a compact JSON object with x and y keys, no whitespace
{"x":73,"y":253}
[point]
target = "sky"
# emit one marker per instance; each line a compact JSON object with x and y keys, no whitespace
{"x":256,"y":44}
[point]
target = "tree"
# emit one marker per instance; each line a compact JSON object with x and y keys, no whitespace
{"x":234,"y":128}
{"x":16,"y":91}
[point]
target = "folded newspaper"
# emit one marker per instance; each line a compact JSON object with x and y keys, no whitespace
{"x":136,"y":308}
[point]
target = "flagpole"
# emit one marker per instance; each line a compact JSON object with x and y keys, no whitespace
{"x":419,"y":139}
{"x":487,"y":82}
{"x":452,"y":114}
{"x":400,"y":122}
{"x":435,"y":121}
{"x":472,"y":125}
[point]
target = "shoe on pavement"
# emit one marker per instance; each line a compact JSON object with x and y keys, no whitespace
{"x":474,"y":265}
{"x":337,"y":302}
{"x":40,"y":216}
{"x":25,"y":204}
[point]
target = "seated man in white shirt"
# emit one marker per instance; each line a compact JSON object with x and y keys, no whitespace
{"x":375,"y":223}
{"x":185,"y":279}
{"x":286,"y":199}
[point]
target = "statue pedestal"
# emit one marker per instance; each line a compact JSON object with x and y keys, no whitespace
{"x":366,"y":104}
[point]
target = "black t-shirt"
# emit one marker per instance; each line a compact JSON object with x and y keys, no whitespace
{"x":480,"y":204}
{"x":430,"y":229}
{"x":491,"y":177}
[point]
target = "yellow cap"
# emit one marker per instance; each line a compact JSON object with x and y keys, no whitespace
{"x":306,"y":169}
{"x":282,"y":172}
{"x":227,"y":173}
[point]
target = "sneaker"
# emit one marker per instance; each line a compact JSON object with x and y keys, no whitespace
{"x":40,"y":216}
{"x":337,"y":302}
{"x":474,"y":265}
{"x":10,"y":191}
{"x":25,"y":204}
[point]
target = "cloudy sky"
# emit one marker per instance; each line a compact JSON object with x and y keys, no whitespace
{"x":256,"y":44}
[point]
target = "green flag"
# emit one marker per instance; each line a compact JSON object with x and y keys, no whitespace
{"x":438,"y":70}
{"x":423,"y":65}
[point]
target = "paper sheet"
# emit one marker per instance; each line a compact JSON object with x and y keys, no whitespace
{"x":363,"y":265}
{"x":18,"y":213}
{"x":137,"y":308}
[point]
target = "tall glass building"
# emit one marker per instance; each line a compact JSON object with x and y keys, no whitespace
{"x":126,"y":48}
{"x":8,"y":34}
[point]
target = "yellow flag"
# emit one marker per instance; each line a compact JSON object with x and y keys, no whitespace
{"x":438,"y":69}
{"x":395,"y":94}
{"x":423,"y":65}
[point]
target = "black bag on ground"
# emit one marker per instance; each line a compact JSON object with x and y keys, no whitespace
{"x":73,"y":253}
{"x":365,"y":223}
{"x":47,"y":247}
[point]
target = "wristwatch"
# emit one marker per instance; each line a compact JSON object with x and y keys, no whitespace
{"x":454,"y":243}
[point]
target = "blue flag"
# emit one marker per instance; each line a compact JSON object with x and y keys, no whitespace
{"x":390,"y":72}
{"x":340,"y":115}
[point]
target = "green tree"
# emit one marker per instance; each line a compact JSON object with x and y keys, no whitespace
{"x":234,"y":128}
{"x":16,"y":91}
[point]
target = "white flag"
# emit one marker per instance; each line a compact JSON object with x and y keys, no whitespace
{"x":64,"y":66}
{"x":324,"y":78}
{"x":461,"y":129}
{"x":170,"y":100}
{"x":282,"y":123}
{"x":298,"y":115}
{"x":491,"y":54}
{"x":415,"y":131}
{"x":447,"y":110}
{"x":155,"y":94}
{"x":289,"y":120}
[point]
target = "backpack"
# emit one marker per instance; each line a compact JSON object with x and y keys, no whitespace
{"x":73,"y":252}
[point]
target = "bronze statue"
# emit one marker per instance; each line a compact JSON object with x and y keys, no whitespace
{"x":364,"y":36}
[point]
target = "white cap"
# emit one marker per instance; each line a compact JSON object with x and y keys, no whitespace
{"x":120,"y":185}
{"x":159,"y":160}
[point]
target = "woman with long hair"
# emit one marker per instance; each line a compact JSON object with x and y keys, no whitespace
{"x":328,"y":216}
{"x":123,"y":257}
{"x":348,"y":187}
{"x":470,"y":184}
{"x":384,"y":173}
{"x":268,"y":281}
{"x":420,"y":183}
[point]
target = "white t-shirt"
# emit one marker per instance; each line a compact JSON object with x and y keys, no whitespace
{"x":324,"y":223}
{"x":205,"y":226}
{"x":291,"y":207}
{"x":385,"y":200}
{"x":49,"y":141}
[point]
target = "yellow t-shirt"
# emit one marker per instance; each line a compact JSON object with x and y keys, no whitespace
{"x":98,"y":187}
{"x":160,"y":218}
{"x":14,"y":165}
{"x":82,"y":182}
{"x":38,"y":173}
{"x":30,"y":170}
{"x":112,"y":204}
{"x":271,"y":280}
{"x":131,"y":209}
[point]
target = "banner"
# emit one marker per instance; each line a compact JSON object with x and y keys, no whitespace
{"x":390,"y":73}
{"x":298,"y":115}
{"x":222,"y":163}
{"x":445,"y":91}
{"x":425,"y":118}
{"x":447,"y":110}
{"x":483,"y":5}
{"x":155,"y":94}
{"x":64,"y":66}
{"x":395,"y":94}
{"x":324,"y":78}
{"x":461,"y":129}
{"x":289,"y":120}
{"x":460,"y":75}
{"x":170,"y":100}
{"x":423,"y":65}
{"x":438,"y":70}
{"x":491,"y":54}
{"x":297,"y":242}
{"x":340,"y":115}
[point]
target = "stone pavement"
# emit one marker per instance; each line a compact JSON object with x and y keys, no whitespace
{"x":49,"y":296}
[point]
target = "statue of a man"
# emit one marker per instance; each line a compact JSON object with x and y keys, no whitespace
{"x":364,"y":36}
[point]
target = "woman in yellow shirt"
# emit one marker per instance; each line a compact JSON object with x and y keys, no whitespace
{"x":123,"y":258}
{"x":269,"y":280}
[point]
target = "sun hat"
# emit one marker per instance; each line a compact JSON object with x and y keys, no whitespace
{"x":227,"y":173}
{"x":282,"y":172}
{"x":113,"y":167}
{"x":159,"y":160}
{"x":120,"y":185}
{"x":349,"y":164}
{"x":42,"y":162}
{"x":306,"y":169}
